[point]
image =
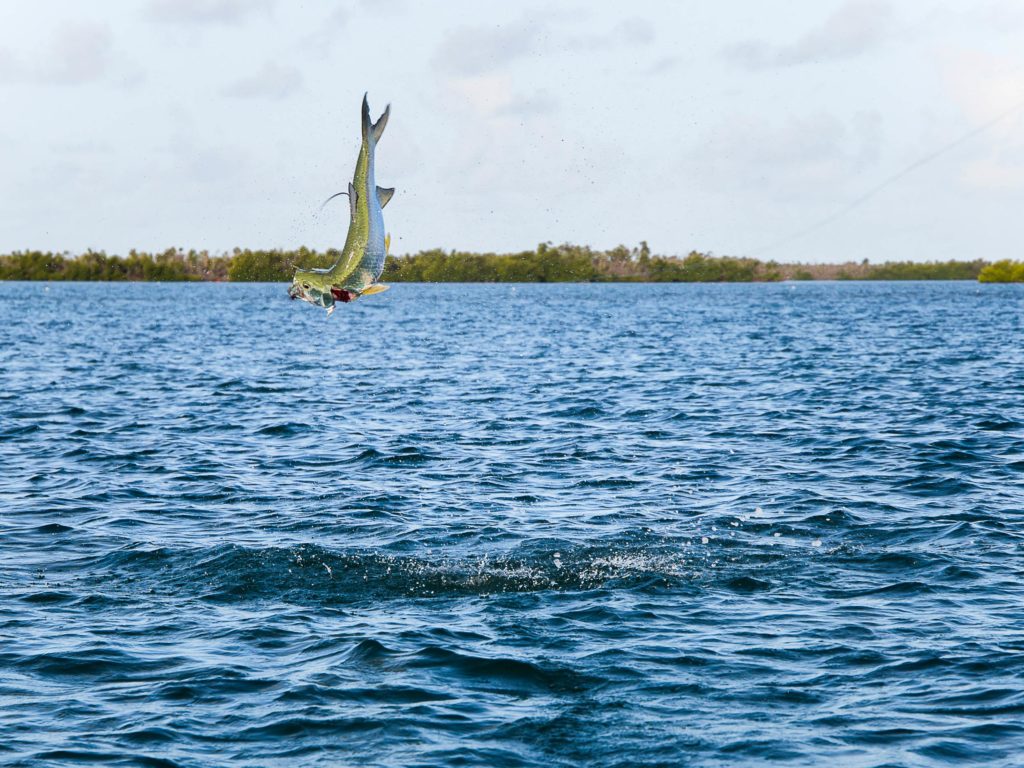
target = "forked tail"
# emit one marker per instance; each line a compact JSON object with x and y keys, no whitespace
{"x":374,"y":129}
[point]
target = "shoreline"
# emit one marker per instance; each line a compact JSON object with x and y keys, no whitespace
{"x":566,"y":263}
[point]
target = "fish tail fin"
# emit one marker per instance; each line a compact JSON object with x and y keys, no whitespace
{"x":374,"y":129}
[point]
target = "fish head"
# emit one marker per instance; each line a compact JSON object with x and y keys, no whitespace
{"x":308,"y":286}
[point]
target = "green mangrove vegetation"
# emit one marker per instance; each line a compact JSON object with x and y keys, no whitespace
{"x":547,"y":263}
{"x":171,"y":265}
{"x":1005,"y":271}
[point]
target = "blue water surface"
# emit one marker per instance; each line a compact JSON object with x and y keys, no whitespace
{"x":512,"y":525}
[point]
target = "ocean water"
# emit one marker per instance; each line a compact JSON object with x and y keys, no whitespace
{"x":512,"y":525}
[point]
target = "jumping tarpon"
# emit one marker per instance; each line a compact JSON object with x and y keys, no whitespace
{"x":357,"y":270}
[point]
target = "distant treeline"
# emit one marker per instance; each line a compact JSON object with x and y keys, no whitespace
{"x":170,"y":266}
{"x":546,"y":264}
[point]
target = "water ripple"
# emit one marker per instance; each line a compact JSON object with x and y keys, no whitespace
{"x":512,"y":525}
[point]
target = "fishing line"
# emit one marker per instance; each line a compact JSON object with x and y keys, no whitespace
{"x":336,"y":194}
{"x":892,"y":179}
{"x":289,"y":263}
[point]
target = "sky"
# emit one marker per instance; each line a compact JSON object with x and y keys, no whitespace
{"x":775,"y":130}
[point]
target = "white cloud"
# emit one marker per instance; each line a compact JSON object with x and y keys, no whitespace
{"x":79,"y":52}
{"x":854,"y":28}
{"x":484,"y":94}
{"x":10,"y":67}
{"x":273,"y":81}
{"x":662,"y":65}
{"x":797,"y":157}
{"x":325,"y":36}
{"x":470,"y":51}
{"x":534,"y":103}
{"x":204,"y":11}
{"x":1006,"y":16}
{"x":989,"y":90}
{"x":631,"y":31}
{"x":494,"y":95}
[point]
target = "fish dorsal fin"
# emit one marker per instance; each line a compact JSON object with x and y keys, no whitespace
{"x":352,"y":198}
{"x":375,"y":288}
{"x":384,"y":194}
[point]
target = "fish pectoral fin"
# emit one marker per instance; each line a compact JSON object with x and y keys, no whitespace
{"x":330,"y":310}
{"x":375,"y":288}
{"x":384,"y":194}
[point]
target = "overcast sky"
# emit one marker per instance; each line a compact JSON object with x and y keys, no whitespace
{"x":726,"y":127}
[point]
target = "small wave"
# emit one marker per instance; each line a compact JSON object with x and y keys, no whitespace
{"x":309,"y":572}
{"x":107,"y":664}
{"x":999,"y":425}
{"x":54,"y":528}
{"x":502,"y":673}
{"x":288,"y":429}
{"x":588,"y":411}
{"x":371,"y":457}
{"x":930,"y":485}
{"x":99,"y":757}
